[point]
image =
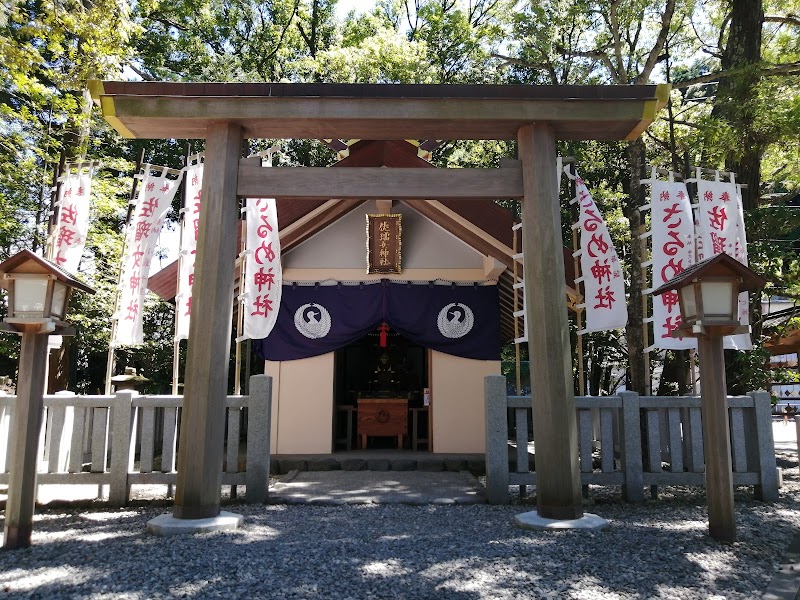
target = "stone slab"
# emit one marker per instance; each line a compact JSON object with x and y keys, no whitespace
{"x":455,"y":465}
{"x":354,"y":464}
{"x":403,"y":464}
{"x":785,"y":585}
{"x":289,"y":465}
{"x":377,"y":487}
{"x":431,"y":466}
{"x":322,"y":464}
{"x":378,"y":464}
{"x":532,"y":520}
{"x":168,"y":525}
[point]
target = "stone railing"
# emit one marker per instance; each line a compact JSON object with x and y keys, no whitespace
{"x":130,"y":439}
{"x":631,"y":441}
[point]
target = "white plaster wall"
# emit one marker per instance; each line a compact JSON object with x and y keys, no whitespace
{"x":457,"y":403}
{"x":302,"y":413}
{"x":343,"y":244}
{"x":302,"y":405}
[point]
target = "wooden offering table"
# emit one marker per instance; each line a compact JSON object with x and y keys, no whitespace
{"x":382,"y":417}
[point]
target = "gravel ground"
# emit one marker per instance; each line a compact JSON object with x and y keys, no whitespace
{"x":659,"y":549}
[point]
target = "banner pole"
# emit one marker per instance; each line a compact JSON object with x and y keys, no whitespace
{"x":53,"y":216}
{"x":576,"y":265}
{"x":112,"y":359}
{"x":176,"y":343}
{"x":237,"y":378}
{"x":648,"y":383}
{"x":691,"y":189}
{"x":517,"y":361}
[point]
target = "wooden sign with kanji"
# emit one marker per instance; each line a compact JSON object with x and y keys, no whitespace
{"x":384,"y":243}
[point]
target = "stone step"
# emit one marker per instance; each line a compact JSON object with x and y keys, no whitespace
{"x":378,"y":461}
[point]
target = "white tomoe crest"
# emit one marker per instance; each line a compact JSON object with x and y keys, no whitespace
{"x":313,"y":321}
{"x":455,"y":320}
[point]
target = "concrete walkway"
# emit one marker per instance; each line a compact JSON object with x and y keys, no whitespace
{"x":784,"y":435}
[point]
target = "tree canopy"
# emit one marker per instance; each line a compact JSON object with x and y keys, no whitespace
{"x":734,"y":65}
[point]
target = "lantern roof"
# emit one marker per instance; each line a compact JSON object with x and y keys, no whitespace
{"x":26,"y":261}
{"x":720,"y":265}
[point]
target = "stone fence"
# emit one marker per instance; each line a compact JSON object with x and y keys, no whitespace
{"x":631,"y":441}
{"x":130,"y":439}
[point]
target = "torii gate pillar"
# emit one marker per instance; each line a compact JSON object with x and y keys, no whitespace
{"x":197,"y":495}
{"x":558,"y":485}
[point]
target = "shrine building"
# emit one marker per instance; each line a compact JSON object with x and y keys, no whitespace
{"x":405,"y":346}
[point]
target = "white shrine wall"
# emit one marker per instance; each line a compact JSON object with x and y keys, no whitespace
{"x":303,"y":403}
{"x":343,"y":245}
{"x":457,"y":401}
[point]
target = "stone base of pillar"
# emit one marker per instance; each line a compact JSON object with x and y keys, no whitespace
{"x":169,"y":525}
{"x":532,"y":520}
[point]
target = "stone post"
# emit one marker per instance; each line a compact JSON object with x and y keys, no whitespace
{"x":259,"y":418}
{"x":123,"y":441}
{"x":767,"y":489}
{"x":496,"y":439}
{"x":633,"y":489}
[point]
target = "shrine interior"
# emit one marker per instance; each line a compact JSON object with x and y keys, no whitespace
{"x":366,"y":369}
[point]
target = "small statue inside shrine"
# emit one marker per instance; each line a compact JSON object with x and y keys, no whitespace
{"x":384,"y":377}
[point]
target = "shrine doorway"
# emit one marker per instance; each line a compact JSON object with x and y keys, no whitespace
{"x":388,"y":374}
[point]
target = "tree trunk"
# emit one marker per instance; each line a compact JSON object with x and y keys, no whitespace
{"x":76,"y":138}
{"x":675,"y":374}
{"x":637,"y":362}
{"x":735,"y":94}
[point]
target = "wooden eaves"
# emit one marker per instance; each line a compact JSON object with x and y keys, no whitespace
{"x":377,"y":111}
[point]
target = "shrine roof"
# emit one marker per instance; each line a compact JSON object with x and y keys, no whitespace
{"x":160,"y":110}
{"x":480,"y":223}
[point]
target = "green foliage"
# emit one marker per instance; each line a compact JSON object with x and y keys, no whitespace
{"x":773,"y":233}
{"x":48,"y":50}
{"x":379,"y":56}
{"x":460,"y":40}
{"x":747,"y":371}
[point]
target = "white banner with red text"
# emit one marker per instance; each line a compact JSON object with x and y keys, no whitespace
{"x":601,"y":272}
{"x":720,"y":228}
{"x":188,"y":250}
{"x":673,"y":252}
{"x":263,"y":274}
{"x":72,"y":224}
{"x":154,"y":198}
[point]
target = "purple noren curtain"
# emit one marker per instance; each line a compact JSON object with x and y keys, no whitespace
{"x":462,"y":320}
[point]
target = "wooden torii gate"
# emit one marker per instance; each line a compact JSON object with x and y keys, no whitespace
{"x":224,"y":114}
